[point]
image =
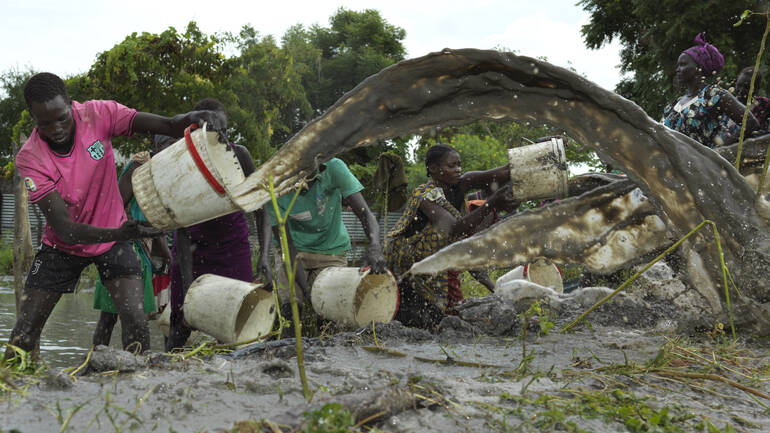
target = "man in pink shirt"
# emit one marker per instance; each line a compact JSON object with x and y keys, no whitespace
{"x":68,"y":167}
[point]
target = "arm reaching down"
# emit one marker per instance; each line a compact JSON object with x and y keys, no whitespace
{"x":373,"y":257}
{"x":57,"y":214}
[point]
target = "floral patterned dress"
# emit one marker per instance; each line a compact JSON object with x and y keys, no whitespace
{"x":760,"y":108}
{"x":414,"y":238}
{"x":700,"y":119}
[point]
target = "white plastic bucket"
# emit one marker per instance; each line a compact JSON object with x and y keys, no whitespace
{"x":541,"y":272}
{"x":351,"y":296}
{"x":164,"y":321}
{"x":188,"y":182}
{"x":164,"y":325}
{"x":539,"y":171}
{"x":229,"y":310}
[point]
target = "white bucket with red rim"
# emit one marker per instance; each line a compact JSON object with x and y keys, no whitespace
{"x":188,"y":182}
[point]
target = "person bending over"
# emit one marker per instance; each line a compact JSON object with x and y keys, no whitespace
{"x":144,"y":249}
{"x":68,"y":167}
{"x":317,"y":237}
{"x":436,"y":216}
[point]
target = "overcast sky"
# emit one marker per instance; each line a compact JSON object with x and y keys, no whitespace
{"x":64,"y":37}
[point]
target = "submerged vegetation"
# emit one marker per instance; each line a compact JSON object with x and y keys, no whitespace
{"x":18,"y":371}
{"x":590,"y":394}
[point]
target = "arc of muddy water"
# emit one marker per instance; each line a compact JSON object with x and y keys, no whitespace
{"x":611,"y":225}
{"x":685,"y":181}
{"x":604,"y":229}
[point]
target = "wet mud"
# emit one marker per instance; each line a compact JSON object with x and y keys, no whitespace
{"x":481,"y":384}
{"x":478,"y":371}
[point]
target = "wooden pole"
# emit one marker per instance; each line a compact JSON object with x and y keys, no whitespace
{"x":22,"y":235}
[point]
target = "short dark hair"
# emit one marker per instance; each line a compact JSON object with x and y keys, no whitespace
{"x":160,"y":142}
{"x":210,"y":104}
{"x":43,"y":87}
{"x":435,"y":153}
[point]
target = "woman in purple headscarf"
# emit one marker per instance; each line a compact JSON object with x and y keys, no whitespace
{"x":700,"y":112}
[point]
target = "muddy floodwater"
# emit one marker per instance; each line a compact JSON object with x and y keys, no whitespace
{"x":67,"y":334}
{"x":602,"y":379}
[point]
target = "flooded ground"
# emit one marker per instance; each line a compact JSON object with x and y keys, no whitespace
{"x":67,"y":334}
{"x":604,"y":379}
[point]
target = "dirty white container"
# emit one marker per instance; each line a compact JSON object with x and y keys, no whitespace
{"x":539,"y":171}
{"x":164,"y":325}
{"x":164,"y":321}
{"x":541,"y":272}
{"x":229,"y":310}
{"x":353,"y":296}
{"x":188,"y":182}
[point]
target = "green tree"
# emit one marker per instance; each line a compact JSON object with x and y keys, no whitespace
{"x":11,"y":107}
{"x":167,"y":73}
{"x":333,"y":60}
{"x":162,"y":73}
{"x":653,"y":34}
{"x":337,"y":58}
{"x":271,"y":104}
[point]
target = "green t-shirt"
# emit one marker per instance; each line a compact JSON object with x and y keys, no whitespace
{"x":315,"y":222}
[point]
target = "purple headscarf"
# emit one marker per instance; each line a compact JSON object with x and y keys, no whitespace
{"x":706,"y":55}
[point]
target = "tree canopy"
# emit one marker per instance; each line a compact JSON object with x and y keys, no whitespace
{"x":271,"y":90}
{"x":653,"y":34}
{"x":337,"y":58}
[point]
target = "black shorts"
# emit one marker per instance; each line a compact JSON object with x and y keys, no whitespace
{"x":58,"y":271}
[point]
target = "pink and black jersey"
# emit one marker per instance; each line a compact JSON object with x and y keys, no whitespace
{"x":86,"y":177}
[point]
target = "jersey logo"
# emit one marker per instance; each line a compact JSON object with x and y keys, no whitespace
{"x":96,"y":150}
{"x":30,"y":184}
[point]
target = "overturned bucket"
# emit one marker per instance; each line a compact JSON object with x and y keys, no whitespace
{"x":187,"y":182}
{"x":541,"y":272}
{"x":229,"y":310}
{"x":355,"y":297}
{"x":539,"y":171}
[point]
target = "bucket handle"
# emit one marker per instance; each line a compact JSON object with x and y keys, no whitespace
{"x":199,"y":162}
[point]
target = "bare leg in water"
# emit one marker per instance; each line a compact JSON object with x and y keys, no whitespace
{"x":36,"y":306}
{"x":128,"y":295}
{"x":178,"y":333}
{"x":104,"y":327}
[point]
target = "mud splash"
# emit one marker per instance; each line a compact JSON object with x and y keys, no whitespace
{"x":684,"y":181}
